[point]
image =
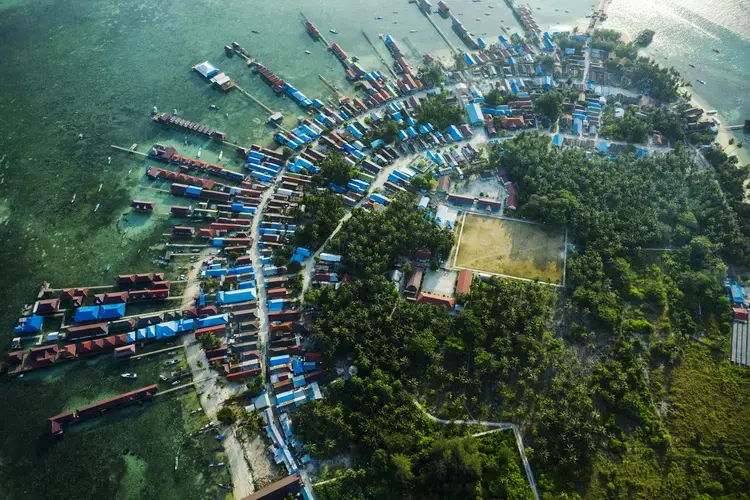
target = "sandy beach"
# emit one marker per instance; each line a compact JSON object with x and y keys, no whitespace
{"x":724,"y":135}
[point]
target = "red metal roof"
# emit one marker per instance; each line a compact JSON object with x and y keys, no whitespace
{"x":429,"y":298}
{"x":463,"y":283}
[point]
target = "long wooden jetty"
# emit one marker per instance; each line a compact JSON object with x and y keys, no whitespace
{"x":256,"y":101}
{"x":336,"y":92}
{"x":126,"y":150}
{"x":320,"y":35}
{"x":439,"y":31}
{"x":380,"y":56}
{"x":152,"y":353}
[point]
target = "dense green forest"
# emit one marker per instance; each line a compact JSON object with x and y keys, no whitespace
{"x":320,"y":216}
{"x":372,"y":242}
{"x":619,"y":382}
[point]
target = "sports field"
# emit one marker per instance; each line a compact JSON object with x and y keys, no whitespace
{"x":511,"y":248}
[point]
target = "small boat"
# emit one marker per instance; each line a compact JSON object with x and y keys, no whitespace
{"x":379,"y":18}
{"x":711,"y":112}
{"x":175,"y":382}
{"x":716,"y":50}
{"x":334,"y":32}
{"x":176,"y":461}
{"x":567,"y":11}
{"x":486,"y":13}
{"x":109,"y":160}
{"x":213,"y":107}
{"x":97,"y":207}
{"x":308,"y":52}
{"x":129,"y":375}
{"x":100,"y":188}
{"x":691,"y":65}
{"x":221,"y":155}
{"x":154,"y":110}
{"x":701,"y":81}
{"x":172,"y":362}
{"x":200,"y":149}
{"x":163,"y":377}
{"x":74,"y":198}
{"x":412,"y":31}
{"x":479,"y":19}
{"x":256,"y":32}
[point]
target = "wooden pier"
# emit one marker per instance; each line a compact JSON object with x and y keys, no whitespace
{"x":320,"y":35}
{"x":153,"y":353}
{"x":185,"y":386}
{"x":255,"y":100}
{"x":380,"y":56}
{"x":131,"y":151}
{"x":336,"y":92}
{"x":439,"y":31}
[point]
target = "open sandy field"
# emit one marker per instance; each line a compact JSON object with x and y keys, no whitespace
{"x":508,"y":247}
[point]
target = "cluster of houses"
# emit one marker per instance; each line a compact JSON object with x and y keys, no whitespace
{"x":98,"y":323}
{"x":515,"y":56}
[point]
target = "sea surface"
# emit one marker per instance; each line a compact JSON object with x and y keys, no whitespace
{"x":98,"y":67}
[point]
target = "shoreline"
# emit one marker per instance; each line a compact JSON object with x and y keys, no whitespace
{"x":724,"y":135}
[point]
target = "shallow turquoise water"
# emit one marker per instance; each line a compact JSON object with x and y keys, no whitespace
{"x":97,"y":67}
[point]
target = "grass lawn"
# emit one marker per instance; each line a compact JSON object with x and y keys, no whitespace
{"x":511,"y":248}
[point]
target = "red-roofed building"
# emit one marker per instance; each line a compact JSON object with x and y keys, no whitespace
{"x":48,"y":306}
{"x":463,"y":283}
{"x":512,"y":200}
{"x":421,"y":255}
{"x":512,"y":122}
{"x":111,"y":298}
{"x":438,"y":300}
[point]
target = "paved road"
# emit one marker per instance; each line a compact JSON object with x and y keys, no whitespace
{"x":498,"y":426}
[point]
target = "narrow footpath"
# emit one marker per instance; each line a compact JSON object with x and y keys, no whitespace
{"x":497,"y":426}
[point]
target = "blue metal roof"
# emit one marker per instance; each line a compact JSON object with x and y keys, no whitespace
{"x":475,"y":113}
{"x":234,"y":296}
{"x":109,"y":311}
{"x":30,"y":324}
{"x":88,"y":313}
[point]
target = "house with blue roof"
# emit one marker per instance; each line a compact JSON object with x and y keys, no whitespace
{"x":475,"y":114}
{"x":30,"y":324}
{"x":88,"y":313}
{"x":111,"y":311}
